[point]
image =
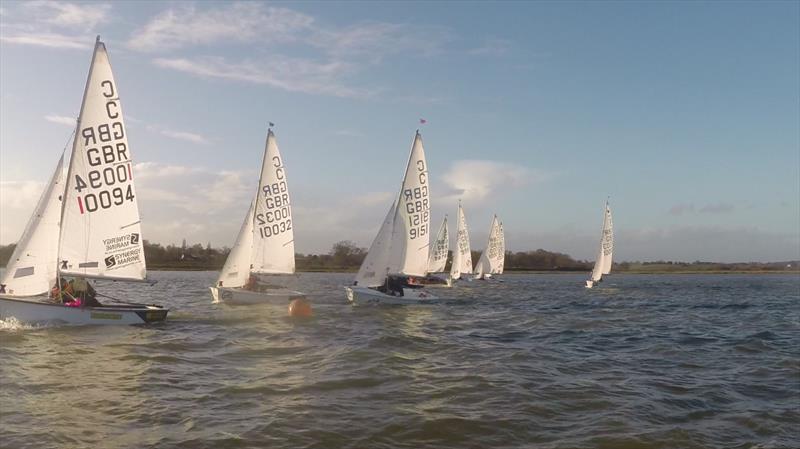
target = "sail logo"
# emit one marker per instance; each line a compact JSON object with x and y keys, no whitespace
{"x":134,"y":238}
{"x":110,"y":261}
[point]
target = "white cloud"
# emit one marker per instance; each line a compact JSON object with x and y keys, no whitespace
{"x":69,"y":15}
{"x":238,"y":22}
{"x":157,"y":170}
{"x":492,"y":47}
{"x":295,"y":75}
{"x":44,"y":39}
{"x":712,"y":208}
{"x":180,"y":135}
{"x":373,"y":198}
{"x":17,"y":200}
{"x":476,"y":179}
{"x":60,"y":119}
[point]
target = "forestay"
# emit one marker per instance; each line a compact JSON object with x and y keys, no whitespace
{"x":237,"y":266}
{"x":100,"y":230}
{"x":462,"y":255}
{"x":411,"y":233}
{"x":603,"y":263}
{"x":31,"y":270}
{"x":273,"y":234}
{"x":437,"y":257}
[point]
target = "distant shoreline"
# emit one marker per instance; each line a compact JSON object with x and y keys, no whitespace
{"x":659,"y":272}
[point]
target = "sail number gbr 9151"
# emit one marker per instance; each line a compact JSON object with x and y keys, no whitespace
{"x":417,"y":206}
{"x":107,"y":165}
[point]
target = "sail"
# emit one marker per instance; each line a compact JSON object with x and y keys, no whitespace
{"x":31,"y":270}
{"x":375,"y":267}
{"x":491,"y":259}
{"x":100,"y":230}
{"x":462,"y":255}
{"x":607,"y":241}
{"x":411,"y":234}
{"x":501,"y":250}
{"x":273,"y":234}
{"x":237,"y":266}
{"x":602,"y":264}
{"x":437,"y":256}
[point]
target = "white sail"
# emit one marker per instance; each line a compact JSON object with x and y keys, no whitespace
{"x":100,"y":229}
{"x":602,"y":264}
{"x":411,"y":233}
{"x":375,"y":267}
{"x":437,"y":256}
{"x":491,"y":260}
{"x":237,"y":266}
{"x":462,"y":255}
{"x":273,"y":234}
{"x":31,"y":270}
{"x":501,"y":248}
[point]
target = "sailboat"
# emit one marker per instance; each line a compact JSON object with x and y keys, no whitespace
{"x":400,"y":249}
{"x":462,"y":255}
{"x":492,"y":258}
{"x":85,"y":225}
{"x":265,"y":244}
{"x":437,"y":260}
{"x":602,"y":264}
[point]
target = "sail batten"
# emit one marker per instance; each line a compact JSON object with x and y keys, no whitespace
{"x":100,"y":233}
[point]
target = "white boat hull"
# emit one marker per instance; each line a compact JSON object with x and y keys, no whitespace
{"x":42,"y":311}
{"x":238,"y":296}
{"x":589,"y":283}
{"x":360,"y":296}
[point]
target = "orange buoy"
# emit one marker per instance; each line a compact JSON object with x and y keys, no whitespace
{"x":299,"y":308}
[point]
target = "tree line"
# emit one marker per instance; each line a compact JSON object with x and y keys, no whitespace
{"x":347,"y":256}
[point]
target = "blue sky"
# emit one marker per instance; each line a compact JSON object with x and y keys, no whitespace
{"x":686,"y":114}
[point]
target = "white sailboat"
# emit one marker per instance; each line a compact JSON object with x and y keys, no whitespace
{"x":400,"y":248}
{"x":492,"y":258}
{"x":98,"y":232}
{"x":462,"y":254}
{"x":265,"y":244}
{"x":602,"y":264}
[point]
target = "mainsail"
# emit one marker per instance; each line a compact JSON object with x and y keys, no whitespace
{"x":462,"y":255}
{"x":265,"y":243}
{"x":100,"y":229}
{"x":491,"y":260}
{"x":603,"y":263}
{"x":437,"y":256}
{"x":411,"y":233}
{"x":31,"y":270}
{"x":273,"y":233}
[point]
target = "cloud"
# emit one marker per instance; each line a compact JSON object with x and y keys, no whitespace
{"x":69,"y":15}
{"x":180,"y":135}
{"x":157,"y":170}
{"x":53,"y":24}
{"x":52,"y":40}
{"x":238,"y":22}
{"x":294,"y":75}
{"x":329,"y":53}
{"x":492,"y":47}
{"x":477,"y":179}
{"x":60,"y":119}
{"x":374,"y":198}
{"x":17,"y":200}
{"x":689,"y":208}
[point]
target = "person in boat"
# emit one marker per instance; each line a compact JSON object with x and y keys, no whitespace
{"x":85,"y":292}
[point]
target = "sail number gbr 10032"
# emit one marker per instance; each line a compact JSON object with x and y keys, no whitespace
{"x":273,"y":210}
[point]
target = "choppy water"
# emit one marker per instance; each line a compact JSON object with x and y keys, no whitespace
{"x":670,"y":361}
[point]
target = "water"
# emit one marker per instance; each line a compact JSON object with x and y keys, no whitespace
{"x":669,"y":361}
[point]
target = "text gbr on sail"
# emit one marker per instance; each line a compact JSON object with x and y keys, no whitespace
{"x":274,"y":215}
{"x":416,"y":203}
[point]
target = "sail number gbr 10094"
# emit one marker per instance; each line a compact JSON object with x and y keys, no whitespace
{"x":415,"y":201}
{"x":107,"y":166}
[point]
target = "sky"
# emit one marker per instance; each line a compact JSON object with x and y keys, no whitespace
{"x":685,"y":114}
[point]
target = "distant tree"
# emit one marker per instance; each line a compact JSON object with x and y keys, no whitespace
{"x":346,"y":253}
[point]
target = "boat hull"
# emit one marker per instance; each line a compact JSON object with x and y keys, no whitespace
{"x":238,"y":296}
{"x":44,"y":312}
{"x":360,"y":296}
{"x":431,"y":281}
{"x":589,"y":283}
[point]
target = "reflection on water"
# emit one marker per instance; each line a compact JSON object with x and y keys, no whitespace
{"x":533,"y":361}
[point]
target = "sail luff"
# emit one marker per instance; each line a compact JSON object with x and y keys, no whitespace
{"x":375,"y":267}
{"x":462,"y":254}
{"x":437,"y":258}
{"x":237,"y":266}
